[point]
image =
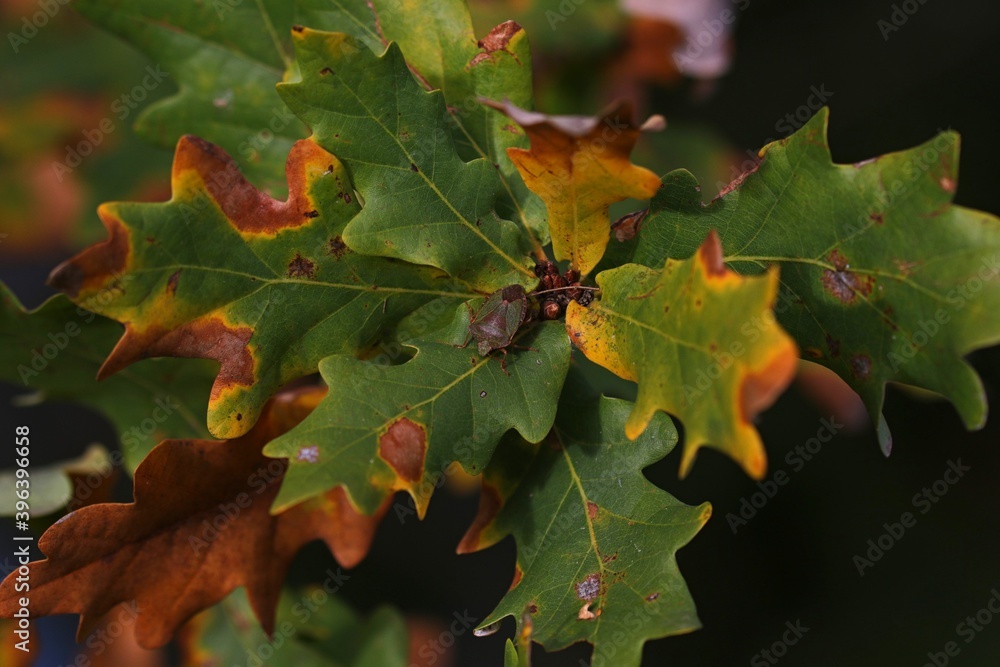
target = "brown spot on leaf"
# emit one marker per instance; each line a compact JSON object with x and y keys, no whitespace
{"x":172,"y":282}
{"x":592,"y":510}
{"x":833,"y":345}
{"x":609,"y":558}
{"x":861,"y":366}
{"x":403,"y":446}
{"x":336,"y":247}
{"x":947,"y":184}
{"x":414,"y":167}
{"x":311,"y":214}
{"x":325,"y":71}
{"x":532,"y":608}
{"x":652,"y":596}
{"x":585,"y":614}
{"x":877,"y":218}
{"x":842,"y":283}
{"x":589,"y":588}
{"x":301,"y":267}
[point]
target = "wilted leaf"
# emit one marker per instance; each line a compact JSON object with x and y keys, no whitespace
{"x":224,"y":272}
{"x":385,"y":428}
{"x":579,"y":166}
{"x":422,"y":202}
{"x":203,"y":509}
{"x":702,"y":343}
{"x":595,"y":540}
{"x":52,"y":486}
{"x":56,"y":350}
{"x":883,"y":279}
{"x":313,"y":628}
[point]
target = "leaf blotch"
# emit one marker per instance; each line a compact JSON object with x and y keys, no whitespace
{"x":308,"y":454}
{"x":589,"y":588}
{"x":404,"y":447}
{"x":301,"y":267}
{"x":842,"y":283}
{"x":336,"y":247}
{"x":172,"y":282}
{"x":861,"y":366}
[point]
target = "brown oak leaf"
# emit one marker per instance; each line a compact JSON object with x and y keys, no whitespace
{"x":199,"y":527}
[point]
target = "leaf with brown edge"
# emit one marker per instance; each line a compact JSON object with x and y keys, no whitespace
{"x":203,"y":507}
{"x":883,"y":278}
{"x":222,"y":271}
{"x":702,"y":343}
{"x":596,"y":542}
{"x":579,"y":166}
{"x":382,"y":428}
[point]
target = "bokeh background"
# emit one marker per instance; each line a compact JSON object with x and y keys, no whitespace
{"x":793,"y":561}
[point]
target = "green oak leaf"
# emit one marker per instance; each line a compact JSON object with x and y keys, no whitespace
{"x":314,"y":629}
{"x":224,"y":272}
{"x":226,"y":57}
{"x":232,"y":101}
{"x":595,"y":540}
{"x":384,"y":428}
{"x":883,"y":279}
{"x":422,"y":202}
{"x":700,"y":341}
{"x":55,"y":352}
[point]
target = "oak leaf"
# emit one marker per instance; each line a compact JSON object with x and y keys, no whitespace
{"x":199,"y":527}
{"x":596,"y":541}
{"x":579,"y":166}
{"x":702,"y":343}
{"x":223,"y":271}
{"x":883,"y":278}
{"x":386,"y":428}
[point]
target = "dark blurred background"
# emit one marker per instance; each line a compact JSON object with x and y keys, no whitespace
{"x":793,"y":561}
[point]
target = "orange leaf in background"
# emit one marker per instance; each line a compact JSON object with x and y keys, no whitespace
{"x":199,"y":527}
{"x":579,"y":166}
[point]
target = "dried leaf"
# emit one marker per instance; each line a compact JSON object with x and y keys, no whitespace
{"x":199,"y":527}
